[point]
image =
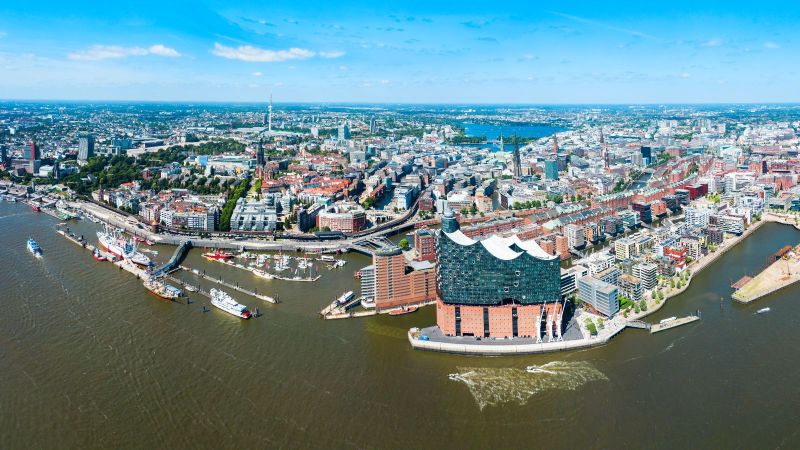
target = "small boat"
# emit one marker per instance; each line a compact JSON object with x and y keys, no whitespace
{"x":402,"y":310}
{"x":190,"y":288}
{"x":668,"y":320}
{"x":35,"y":207}
{"x":34,"y":248}
{"x":537,"y":369}
{"x":98,"y":256}
{"x":763,"y":310}
{"x":368,"y":303}
{"x":262,"y":274}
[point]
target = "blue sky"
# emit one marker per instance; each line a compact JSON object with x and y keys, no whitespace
{"x":415,"y":52}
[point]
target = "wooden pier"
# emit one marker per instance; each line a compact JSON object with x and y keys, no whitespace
{"x":236,"y":288}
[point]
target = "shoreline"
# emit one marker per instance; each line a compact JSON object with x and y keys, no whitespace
{"x":612,"y":326}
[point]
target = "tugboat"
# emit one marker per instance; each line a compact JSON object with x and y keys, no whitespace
{"x":34,"y":248}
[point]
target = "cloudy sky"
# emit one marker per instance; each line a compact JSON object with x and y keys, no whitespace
{"x":415,"y":52}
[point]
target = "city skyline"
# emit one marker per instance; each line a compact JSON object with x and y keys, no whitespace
{"x":357,"y":52}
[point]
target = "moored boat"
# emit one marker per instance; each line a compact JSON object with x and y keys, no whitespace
{"x":218,"y":255}
{"x":161,"y":289}
{"x":98,"y":256}
{"x":402,"y":310}
{"x":226,"y":303}
{"x":113,"y":243}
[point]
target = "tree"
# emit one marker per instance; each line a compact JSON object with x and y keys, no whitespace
{"x":672,"y":283}
{"x":643,"y":305}
{"x":403,"y":244}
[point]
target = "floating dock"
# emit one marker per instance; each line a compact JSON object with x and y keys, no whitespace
{"x":662,"y":326}
{"x":236,"y":288}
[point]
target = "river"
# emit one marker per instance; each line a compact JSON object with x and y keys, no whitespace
{"x":89,"y":359}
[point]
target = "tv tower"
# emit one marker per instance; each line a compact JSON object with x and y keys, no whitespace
{"x":269,"y":116}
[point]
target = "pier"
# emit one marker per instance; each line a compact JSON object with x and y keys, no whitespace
{"x":236,"y":288}
{"x":655,"y":328}
{"x":177,"y":257}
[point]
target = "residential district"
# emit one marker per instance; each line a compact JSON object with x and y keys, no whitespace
{"x":559,"y":236}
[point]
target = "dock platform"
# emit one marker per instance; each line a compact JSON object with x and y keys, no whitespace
{"x":236,"y":288}
{"x":655,"y":328}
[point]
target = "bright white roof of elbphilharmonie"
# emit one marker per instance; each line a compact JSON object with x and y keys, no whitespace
{"x":500,"y":247}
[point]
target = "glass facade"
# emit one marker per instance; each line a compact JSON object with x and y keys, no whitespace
{"x":471,"y":275}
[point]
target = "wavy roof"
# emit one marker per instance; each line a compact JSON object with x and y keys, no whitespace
{"x":501,"y":247}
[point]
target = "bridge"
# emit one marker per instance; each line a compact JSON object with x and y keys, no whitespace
{"x":640,"y":324}
{"x":175,"y":261}
{"x":368,"y":245}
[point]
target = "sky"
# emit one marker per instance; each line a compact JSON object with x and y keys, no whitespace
{"x":408,"y":52}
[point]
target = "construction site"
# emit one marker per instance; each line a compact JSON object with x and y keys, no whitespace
{"x":783,"y":269}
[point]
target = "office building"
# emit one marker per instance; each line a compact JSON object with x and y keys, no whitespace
{"x":85,"y":147}
{"x":647,"y":273}
{"x":551,"y":169}
{"x":399,"y":282}
{"x":602,"y":296}
{"x":631,"y":287}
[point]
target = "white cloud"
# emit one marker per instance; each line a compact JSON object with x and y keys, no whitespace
{"x":100,"y":52}
{"x":332,"y":54}
{"x":713,"y":43}
{"x":254,"y":54}
{"x":771,"y":45}
{"x":161,"y":50}
{"x":257,"y":74}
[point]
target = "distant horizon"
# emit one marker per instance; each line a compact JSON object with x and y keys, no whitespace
{"x":375,"y":103}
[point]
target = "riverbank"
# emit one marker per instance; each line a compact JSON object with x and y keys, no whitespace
{"x":610,"y":329}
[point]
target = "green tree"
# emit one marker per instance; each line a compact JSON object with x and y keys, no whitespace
{"x":403,"y":244}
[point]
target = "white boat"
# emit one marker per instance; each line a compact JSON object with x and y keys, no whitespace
{"x":763,"y":310}
{"x":262,"y":274}
{"x":113,"y":243}
{"x":190,"y":288}
{"x":368,"y":303}
{"x":226,"y":303}
{"x":668,"y":319}
{"x":537,"y":369}
{"x":344,"y":298}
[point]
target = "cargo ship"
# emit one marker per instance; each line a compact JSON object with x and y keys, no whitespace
{"x":114,"y":243}
{"x":218,"y":255}
{"x":226,"y":303}
{"x":162,"y":290}
{"x":34,"y":248}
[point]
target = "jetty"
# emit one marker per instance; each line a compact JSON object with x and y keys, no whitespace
{"x":234,"y":287}
{"x":673,"y":322}
{"x":177,"y":257}
{"x":783,"y":272}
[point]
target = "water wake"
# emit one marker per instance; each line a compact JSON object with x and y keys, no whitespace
{"x":495,"y":386}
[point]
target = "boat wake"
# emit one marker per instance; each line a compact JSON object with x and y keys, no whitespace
{"x":495,"y":386}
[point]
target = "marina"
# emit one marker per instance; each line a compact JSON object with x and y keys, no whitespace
{"x":673,"y":322}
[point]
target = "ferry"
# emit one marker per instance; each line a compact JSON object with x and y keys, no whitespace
{"x":763,"y":310}
{"x":114,"y":244}
{"x":403,"y":310}
{"x":162,"y":290}
{"x":218,"y":255}
{"x":344,"y":298}
{"x":226,"y":303}
{"x":34,"y":248}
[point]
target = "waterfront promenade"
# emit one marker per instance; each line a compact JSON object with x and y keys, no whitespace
{"x":612,"y":327}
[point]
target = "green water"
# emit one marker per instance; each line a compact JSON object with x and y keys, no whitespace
{"x":89,"y":359}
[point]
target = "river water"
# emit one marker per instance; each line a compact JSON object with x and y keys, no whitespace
{"x":88,"y":359}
